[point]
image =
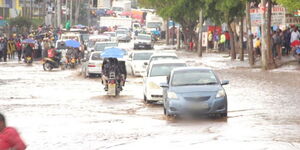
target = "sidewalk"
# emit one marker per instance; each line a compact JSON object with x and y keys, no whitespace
{"x":219,"y":61}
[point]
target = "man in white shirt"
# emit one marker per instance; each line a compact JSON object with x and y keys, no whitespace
{"x":295,"y":35}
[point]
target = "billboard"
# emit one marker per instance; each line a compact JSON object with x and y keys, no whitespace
{"x":278,"y":16}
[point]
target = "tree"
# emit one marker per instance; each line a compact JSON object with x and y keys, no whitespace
{"x":250,"y":35}
{"x":229,"y":10}
{"x":185,"y":12}
{"x":21,"y":23}
{"x":291,"y":5}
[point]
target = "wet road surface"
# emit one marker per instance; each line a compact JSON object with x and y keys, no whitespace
{"x":62,"y":110}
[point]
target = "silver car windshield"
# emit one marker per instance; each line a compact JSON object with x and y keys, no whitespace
{"x":96,"y":56}
{"x":185,"y":78}
{"x":142,"y":56}
{"x":164,"y":69}
{"x":162,"y":58}
{"x":102,"y":46}
{"x":144,"y":37}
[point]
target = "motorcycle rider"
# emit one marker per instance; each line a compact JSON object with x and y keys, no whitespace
{"x":110,"y":65}
{"x":27,"y":52}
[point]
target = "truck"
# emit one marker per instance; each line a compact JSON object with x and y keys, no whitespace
{"x":115,"y":21}
{"x":153,"y":22}
{"x":104,"y":4}
{"x":121,"y":6}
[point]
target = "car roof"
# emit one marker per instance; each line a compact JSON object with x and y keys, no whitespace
{"x":105,"y":42}
{"x":164,"y":54}
{"x":168,"y":62}
{"x":135,"y":52}
{"x":192,"y":69}
{"x":144,"y":34}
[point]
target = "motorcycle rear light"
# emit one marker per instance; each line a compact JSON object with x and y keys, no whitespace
{"x":91,"y":65}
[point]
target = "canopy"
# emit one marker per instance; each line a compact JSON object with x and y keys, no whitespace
{"x":28,"y":41}
{"x":72,"y":43}
{"x":113,"y":53}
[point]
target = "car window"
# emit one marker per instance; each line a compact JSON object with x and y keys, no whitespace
{"x":96,"y":56}
{"x":102,"y":46}
{"x":195,"y":77}
{"x":164,"y":69}
{"x":162,"y":58}
{"x":143,"y":37}
{"x":142,"y":56}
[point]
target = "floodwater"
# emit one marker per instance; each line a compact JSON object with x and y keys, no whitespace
{"x":62,"y":110}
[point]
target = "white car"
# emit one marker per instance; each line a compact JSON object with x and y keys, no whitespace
{"x":100,"y":46}
{"x":92,"y":64}
{"x":157,"y":74}
{"x":136,"y":62}
{"x":123,"y":35}
{"x":113,"y":36}
{"x":143,"y":41}
{"x":160,"y":56}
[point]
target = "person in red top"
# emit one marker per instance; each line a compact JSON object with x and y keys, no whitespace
{"x":19,"y":49}
{"x":9,"y":137}
{"x":227,"y":43}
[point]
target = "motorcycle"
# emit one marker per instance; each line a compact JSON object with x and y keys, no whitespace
{"x":28,"y":60}
{"x":50,"y":63}
{"x":113,"y":85}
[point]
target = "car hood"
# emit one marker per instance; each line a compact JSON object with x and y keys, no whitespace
{"x":196,"y":89}
{"x":157,"y":80}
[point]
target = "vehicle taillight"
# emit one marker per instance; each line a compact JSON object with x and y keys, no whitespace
{"x":91,"y":65}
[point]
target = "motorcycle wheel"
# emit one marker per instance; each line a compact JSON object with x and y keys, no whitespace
{"x":47,"y":66}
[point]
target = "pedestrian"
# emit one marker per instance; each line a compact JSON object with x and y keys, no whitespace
{"x":277,"y":44}
{"x":19,"y":49}
{"x":222,"y":42}
{"x":287,"y":39}
{"x":1,"y":49}
{"x":5,"y":50}
{"x":210,"y":40}
{"x":227,"y":43}
{"x":295,"y":35}
{"x":257,"y":47}
{"x":9,"y":137}
{"x":45,"y":46}
{"x":216,"y":40}
{"x":11,"y":48}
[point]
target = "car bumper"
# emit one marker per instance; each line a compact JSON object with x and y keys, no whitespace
{"x":142,"y":45}
{"x":181,"y":106}
{"x":123,"y":38}
{"x":155,"y":95}
{"x":94,"y":70}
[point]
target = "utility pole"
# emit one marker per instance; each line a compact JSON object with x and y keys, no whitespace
{"x":200,"y":33}
{"x":30,"y":15}
{"x":58,"y":13}
{"x":71,"y":12}
{"x":173,"y":33}
{"x":89,"y":13}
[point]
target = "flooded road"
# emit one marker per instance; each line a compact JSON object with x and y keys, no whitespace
{"x":62,"y":110}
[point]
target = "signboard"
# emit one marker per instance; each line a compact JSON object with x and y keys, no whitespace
{"x":278,"y":16}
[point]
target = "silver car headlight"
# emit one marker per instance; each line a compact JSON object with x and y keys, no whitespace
{"x":172,"y":95}
{"x":221,"y":93}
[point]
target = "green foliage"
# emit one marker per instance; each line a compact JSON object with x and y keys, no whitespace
{"x":291,"y":5}
{"x":20,"y":22}
{"x":224,"y":10}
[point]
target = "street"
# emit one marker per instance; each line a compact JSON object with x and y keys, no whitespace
{"x":62,"y":110}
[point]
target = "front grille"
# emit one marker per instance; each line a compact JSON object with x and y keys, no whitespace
{"x":197,"y":99}
{"x":156,"y":96}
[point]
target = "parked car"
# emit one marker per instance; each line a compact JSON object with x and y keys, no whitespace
{"x":92,"y":64}
{"x":194,"y":91}
{"x":136,"y":62}
{"x":143,"y":41}
{"x":157,"y":73}
{"x":123,"y":35}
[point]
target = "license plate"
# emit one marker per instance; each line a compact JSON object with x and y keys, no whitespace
{"x":198,"y":106}
{"x":111,"y":89}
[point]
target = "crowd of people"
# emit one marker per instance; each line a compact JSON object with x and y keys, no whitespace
{"x":36,"y":44}
{"x":281,"y":41}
